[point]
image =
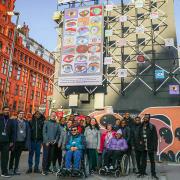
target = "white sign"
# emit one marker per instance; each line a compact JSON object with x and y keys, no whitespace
{"x":121,"y":42}
{"x":123,"y":18}
{"x":169,"y":42}
{"x":109,"y":7}
{"x":139,"y":3}
{"x":108,"y":60}
{"x":140,"y":29}
{"x":154,"y":15}
{"x":122,"y":72}
{"x":108,"y":32}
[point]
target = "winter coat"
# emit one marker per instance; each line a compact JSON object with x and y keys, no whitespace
{"x":92,"y":137}
{"x":9,"y":130}
{"x":51,"y":132}
{"x":75,"y":141}
{"x":117,"y":144}
{"x":103,"y":139}
{"x":152,"y":138}
{"x":36,"y":127}
{"x":135,"y":141}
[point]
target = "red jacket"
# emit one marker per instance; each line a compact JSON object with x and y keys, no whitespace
{"x":102,"y":140}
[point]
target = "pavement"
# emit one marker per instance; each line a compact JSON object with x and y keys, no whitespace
{"x":165,"y":171}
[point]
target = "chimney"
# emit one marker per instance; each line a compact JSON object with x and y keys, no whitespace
{"x":25,"y":30}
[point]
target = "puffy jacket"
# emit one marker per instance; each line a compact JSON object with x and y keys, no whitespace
{"x":75,"y":141}
{"x":103,"y":139}
{"x":117,"y":144}
{"x":92,"y":138}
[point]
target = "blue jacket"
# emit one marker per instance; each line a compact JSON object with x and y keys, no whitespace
{"x":75,"y":141}
{"x":28,"y":133}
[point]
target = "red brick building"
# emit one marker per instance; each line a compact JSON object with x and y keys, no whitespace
{"x":32,"y":67}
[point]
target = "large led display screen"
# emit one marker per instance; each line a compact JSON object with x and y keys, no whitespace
{"x":82,"y":47}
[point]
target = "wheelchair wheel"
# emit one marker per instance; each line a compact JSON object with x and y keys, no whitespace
{"x":102,"y":172}
{"x":125,"y":165}
{"x":117,"y":173}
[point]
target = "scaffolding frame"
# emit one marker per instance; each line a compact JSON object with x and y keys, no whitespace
{"x":137,"y":44}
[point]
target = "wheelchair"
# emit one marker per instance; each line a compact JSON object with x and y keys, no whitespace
{"x":122,"y":167}
{"x":82,"y":173}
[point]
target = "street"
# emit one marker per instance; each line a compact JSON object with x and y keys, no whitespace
{"x":165,"y":171}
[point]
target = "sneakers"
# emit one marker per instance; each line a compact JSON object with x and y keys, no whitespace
{"x":155,"y":177}
{"x":49,"y":171}
{"x":36,"y":170}
{"x":54,"y":170}
{"x":111,"y":168}
{"x":6,"y":175}
{"x":44,"y":173}
{"x":16,"y":172}
{"x":29,"y":171}
{"x":11,"y":172}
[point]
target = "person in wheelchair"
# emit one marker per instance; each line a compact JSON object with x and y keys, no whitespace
{"x":116,"y":147}
{"x":75,"y":145}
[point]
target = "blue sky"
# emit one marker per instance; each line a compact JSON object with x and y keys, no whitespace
{"x":38,"y":15}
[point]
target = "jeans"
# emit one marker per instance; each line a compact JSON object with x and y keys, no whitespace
{"x":76,"y":155}
{"x":35,"y":148}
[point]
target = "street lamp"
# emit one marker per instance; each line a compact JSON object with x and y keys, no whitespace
{"x":17,"y":14}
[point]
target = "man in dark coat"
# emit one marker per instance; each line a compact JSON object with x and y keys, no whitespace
{"x":136,"y":141}
{"x":6,"y":140}
{"x":36,"y":128}
{"x":21,"y":142}
{"x":148,"y":140}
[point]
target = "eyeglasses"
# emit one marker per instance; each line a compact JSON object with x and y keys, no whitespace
{"x":73,"y":130}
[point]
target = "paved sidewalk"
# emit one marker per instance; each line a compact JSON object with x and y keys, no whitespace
{"x":165,"y":171}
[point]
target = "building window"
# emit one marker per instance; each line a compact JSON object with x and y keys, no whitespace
{"x":1,"y":46}
{"x":2,"y":82}
{"x":15,"y":52}
{"x":45,"y":99}
{"x":14,"y":105}
{"x":24,"y":75}
{"x":141,"y":41}
{"x":32,"y":95}
{"x":140,"y":16}
{"x":10,"y":33}
{"x":10,"y":70}
{"x":33,"y":79}
{"x":155,"y":27}
{"x":4,"y":67}
{"x":20,"y":105}
{"x":18,"y":73}
{"x":30,"y":59}
{"x":21,"y":91}
{"x":30,"y":108}
{"x":37,"y":95}
{"x":21,"y":56}
{"x":46,"y":84}
{"x":25,"y":58}
{"x":39,"y":81}
{"x":8,"y":87}
{"x":16,"y":91}
{"x":50,"y":88}
{"x":8,"y":49}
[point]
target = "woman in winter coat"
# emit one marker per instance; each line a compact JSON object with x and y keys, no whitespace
{"x":92,"y":136}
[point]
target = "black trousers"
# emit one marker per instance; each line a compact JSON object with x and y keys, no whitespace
{"x":4,"y":149}
{"x":113,"y":156}
{"x":49,"y":156}
{"x":142,"y":160}
{"x":58,"y":154}
{"x":15,"y":155}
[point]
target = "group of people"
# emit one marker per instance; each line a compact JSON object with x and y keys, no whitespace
{"x":75,"y":136}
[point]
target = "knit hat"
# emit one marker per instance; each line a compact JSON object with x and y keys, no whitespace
{"x":119,"y":131}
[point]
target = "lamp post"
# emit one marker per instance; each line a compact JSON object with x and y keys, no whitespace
{"x":17,"y":14}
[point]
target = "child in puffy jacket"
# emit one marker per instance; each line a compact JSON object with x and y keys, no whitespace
{"x":115,"y":149}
